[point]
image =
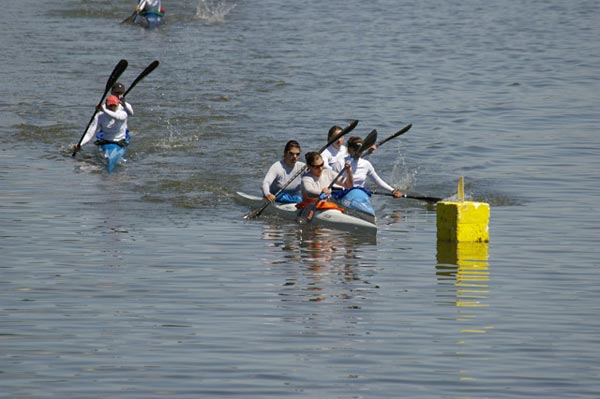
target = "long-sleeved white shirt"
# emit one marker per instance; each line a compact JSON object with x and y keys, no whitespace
{"x":278,"y":175}
{"x":128,"y":108}
{"x":150,"y":5}
{"x":112,"y":124}
{"x":361,"y":170}
{"x":333,"y":155}
{"x":312,"y":186}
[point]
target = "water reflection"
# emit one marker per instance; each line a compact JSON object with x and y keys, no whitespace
{"x":322,"y":264}
{"x":463,"y":280}
{"x":112,"y":235}
{"x":462,"y":272}
{"x":324,"y":291}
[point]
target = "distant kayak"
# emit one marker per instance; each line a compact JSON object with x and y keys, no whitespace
{"x":148,"y":20}
{"x":332,"y":217}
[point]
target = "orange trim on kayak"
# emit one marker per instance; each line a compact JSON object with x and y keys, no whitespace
{"x":323,"y":205}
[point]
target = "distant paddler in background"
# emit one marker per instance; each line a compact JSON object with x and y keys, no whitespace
{"x":363,"y":169}
{"x":109,"y":125}
{"x":280,"y":173}
{"x":149,"y":13}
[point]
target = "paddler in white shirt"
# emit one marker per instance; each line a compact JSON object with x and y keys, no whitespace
{"x":337,"y":151}
{"x":281,"y":172}
{"x":111,"y":120}
{"x":363,"y":169}
{"x":149,"y":6}
{"x":316,"y":182}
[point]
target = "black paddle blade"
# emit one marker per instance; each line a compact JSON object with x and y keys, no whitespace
{"x":119,"y":69}
{"x":369,"y":141}
{"x":344,"y":131}
{"x":142,"y":75}
{"x":130,"y":18}
{"x":349,"y":128}
{"x":306,"y":214}
{"x":256,"y":212}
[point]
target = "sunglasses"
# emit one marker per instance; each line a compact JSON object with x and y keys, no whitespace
{"x":294,"y":154}
{"x":318,"y":166}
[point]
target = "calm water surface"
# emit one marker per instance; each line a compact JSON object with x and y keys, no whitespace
{"x":149,"y":283}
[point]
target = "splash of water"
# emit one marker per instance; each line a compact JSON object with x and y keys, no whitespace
{"x":213,"y":11}
{"x":402,"y":176}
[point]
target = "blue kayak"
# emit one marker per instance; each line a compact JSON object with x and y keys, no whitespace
{"x":148,"y":20}
{"x":112,"y":152}
{"x":356,"y":201}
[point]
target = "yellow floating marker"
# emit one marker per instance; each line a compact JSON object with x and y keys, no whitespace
{"x":462,"y":221}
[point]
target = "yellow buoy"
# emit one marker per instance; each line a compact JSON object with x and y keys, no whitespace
{"x":461,"y":220}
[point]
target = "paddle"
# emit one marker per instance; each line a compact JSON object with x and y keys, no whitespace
{"x":142,"y":75}
{"x":131,"y":18}
{"x":119,"y":69}
{"x":257,"y":212}
{"x":398,"y":133}
{"x":415,"y":197}
{"x":306,"y":215}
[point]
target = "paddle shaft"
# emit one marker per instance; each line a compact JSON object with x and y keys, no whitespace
{"x":347,"y":129}
{"x":133,"y":15}
{"x":142,"y":75}
{"x":415,"y":197}
{"x":117,"y":71}
{"x":130,"y":18}
{"x":398,"y":133}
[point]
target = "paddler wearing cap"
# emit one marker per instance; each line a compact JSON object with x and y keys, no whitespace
{"x":111,"y":120}
{"x":119,"y":90}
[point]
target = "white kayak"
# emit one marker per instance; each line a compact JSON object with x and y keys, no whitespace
{"x":332,"y":218}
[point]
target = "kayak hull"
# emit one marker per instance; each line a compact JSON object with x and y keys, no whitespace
{"x":331,"y":218}
{"x":148,"y":21}
{"x":113,"y":154}
{"x":357,"y":202}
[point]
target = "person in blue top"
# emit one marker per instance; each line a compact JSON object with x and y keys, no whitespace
{"x":281,"y":172}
